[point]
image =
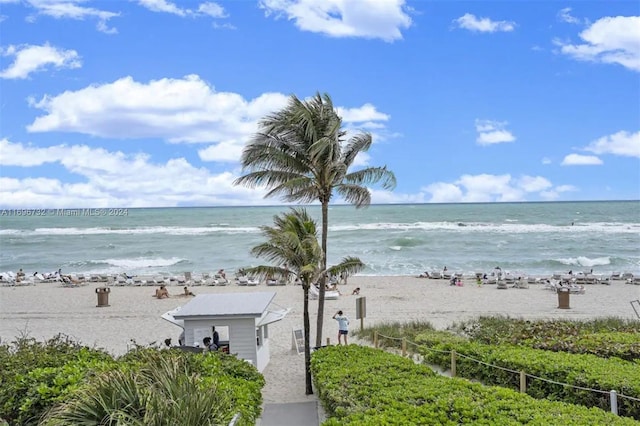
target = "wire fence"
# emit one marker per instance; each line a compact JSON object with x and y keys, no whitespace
{"x":613,"y":395}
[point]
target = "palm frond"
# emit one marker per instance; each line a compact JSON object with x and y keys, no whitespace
{"x":354,"y":194}
{"x":361,"y":142}
{"x":372,"y":175}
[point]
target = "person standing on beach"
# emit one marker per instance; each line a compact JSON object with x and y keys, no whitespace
{"x":343,"y":326}
{"x":216,"y":337}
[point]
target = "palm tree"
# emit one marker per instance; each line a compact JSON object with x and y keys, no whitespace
{"x":300,"y":154}
{"x":293,"y":241}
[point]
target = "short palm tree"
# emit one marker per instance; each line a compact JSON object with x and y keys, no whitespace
{"x":300,"y":154}
{"x":293,"y":243}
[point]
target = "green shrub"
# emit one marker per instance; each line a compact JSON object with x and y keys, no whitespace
{"x":365,"y":386}
{"x":581,"y":370}
{"x":35,"y":375}
{"x":71,"y":382}
{"x":605,"y":337}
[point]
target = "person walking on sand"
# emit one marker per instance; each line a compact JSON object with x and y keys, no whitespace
{"x":343,"y":326}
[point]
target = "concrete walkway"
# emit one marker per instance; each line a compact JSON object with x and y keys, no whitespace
{"x":290,"y":414}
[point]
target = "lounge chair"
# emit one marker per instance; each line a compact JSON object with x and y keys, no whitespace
{"x":435,"y":275}
{"x":314,"y":293}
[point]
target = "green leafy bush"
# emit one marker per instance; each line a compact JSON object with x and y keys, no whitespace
{"x":581,"y":370}
{"x":146,"y":386}
{"x":35,"y":375}
{"x":365,"y":386}
{"x":604,"y":337}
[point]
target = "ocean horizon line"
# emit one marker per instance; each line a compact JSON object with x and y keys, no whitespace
{"x":471,"y":203}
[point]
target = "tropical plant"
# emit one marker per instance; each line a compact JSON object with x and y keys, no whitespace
{"x":152,"y":395}
{"x":293,"y":241}
{"x":301,"y":154}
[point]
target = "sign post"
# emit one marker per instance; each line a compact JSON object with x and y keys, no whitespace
{"x":361,"y":310}
{"x":297,"y":341}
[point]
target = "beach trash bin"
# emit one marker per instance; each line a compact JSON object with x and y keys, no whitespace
{"x":103,"y":296}
{"x":563,"y":298}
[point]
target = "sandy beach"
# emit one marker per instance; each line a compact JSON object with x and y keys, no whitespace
{"x":45,"y":310}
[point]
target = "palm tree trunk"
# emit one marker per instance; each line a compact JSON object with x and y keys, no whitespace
{"x":323,"y":278}
{"x":307,"y":348}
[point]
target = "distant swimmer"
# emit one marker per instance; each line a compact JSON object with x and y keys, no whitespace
{"x":572,"y":223}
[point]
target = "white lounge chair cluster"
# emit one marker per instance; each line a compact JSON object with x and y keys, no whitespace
{"x":627,"y":277}
{"x":11,"y":278}
{"x":555,"y":286}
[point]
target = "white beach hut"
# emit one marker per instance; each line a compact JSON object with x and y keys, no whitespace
{"x":241,"y":319}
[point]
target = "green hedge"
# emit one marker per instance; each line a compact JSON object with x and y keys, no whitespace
{"x":582,"y":370}
{"x":35,"y":375}
{"x":365,"y":386}
{"x":37,"y":378}
{"x":605,"y":337}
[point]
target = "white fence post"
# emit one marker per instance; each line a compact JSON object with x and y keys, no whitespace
{"x":614,"y":402}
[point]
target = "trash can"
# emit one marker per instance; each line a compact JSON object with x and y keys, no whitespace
{"x":103,"y":296}
{"x":563,"y":298}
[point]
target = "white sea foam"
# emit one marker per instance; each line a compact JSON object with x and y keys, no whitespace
{"x":505,"y":228}
{"x":396,"y":248}
{"x":585,"y":261}
{"x":141,"y":262}
{"x":168,"y":230}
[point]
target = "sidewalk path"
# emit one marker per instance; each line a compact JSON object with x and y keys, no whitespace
{"x":290,"y":414}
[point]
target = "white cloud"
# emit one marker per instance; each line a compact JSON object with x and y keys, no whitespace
{"x":71,"y":9}
{"x":111,"y":179}
{"x":29,"y":58}
{"x":492,"y":132}
{"x":491,"y":188}
{"x":163,"y":6}
{"x":534,"y":183}
{"x":484,"y":25}
{"x":554,"y":193}
{"x":176,"y":110}
{"x":379,"y":196}
{"x":610,"y":40}
{"x":621,"y":143}
{"x":546,"y":160}
{"x":365,"y":113}
{"x":212,"y":9}
{"x":383,"y":19}
{"x":581,"y":160}
{"x":564,"y":15}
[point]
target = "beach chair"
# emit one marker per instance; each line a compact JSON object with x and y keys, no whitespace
{"x":435,"y":275}
{"x":615,"y":276}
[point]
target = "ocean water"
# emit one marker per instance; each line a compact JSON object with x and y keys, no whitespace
{"x":530,"y":238}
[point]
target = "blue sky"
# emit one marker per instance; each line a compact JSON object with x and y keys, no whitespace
{"x":150,"y":102}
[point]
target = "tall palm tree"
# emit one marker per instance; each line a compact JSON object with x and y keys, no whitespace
{"x":301,"y":154}
{"x":293,"y":241}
